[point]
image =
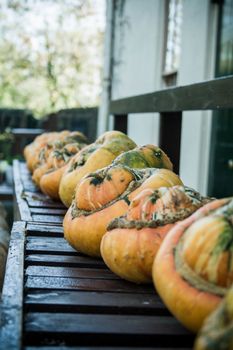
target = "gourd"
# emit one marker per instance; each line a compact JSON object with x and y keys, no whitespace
{"x":94,"y":156}
{"x":132,"y":241}
{"x":105,"y":194}
{"x":32,"y":150}
{"x":217,"y":330}
{"x":53,"y":159}
{"x":193,"y":268}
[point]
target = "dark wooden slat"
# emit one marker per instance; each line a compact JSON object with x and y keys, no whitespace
{"x":71,"y":272}
{"x":22,"y":211}
{"x":12,"y":294}
{"x":85,"y":284}
{"x":55,"y":219}
{"x":121,"y":123}
{"x":44,"y":204}
{"x":52,"y":211}
{"x":86,"y":329}
{"x":99,"y":348}
{"x":95,"y":302}
{"x":48,"y":245}
{"x":40,"y":200}
{"x":213,"y":94}
{"x":170,"y":137}
{"x":63,"y":260}
{"x":44,"y":230}
{"x":37,"y":196}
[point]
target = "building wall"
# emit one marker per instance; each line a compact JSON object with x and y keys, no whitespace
{"x":138,"y":40}
{"x":197,"y":64}
{"x":137,"y":59}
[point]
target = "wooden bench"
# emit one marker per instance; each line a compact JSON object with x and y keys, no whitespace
{"x":215,"y":94}
{"x":55,"y":297}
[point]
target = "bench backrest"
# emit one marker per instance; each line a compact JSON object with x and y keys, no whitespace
{"x":215,"y":94}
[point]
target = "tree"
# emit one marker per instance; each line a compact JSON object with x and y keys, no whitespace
{"x":51,"y":53}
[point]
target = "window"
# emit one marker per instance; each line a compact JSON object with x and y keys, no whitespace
{"x":172,"y":41}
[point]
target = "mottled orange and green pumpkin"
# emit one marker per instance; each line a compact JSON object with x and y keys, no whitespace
{"x":53,"y":159}
{"x":132,"y":241}
{"x":217,"y":330}
{"x":94,"y":156}
{"x":32,"y":151}
{"x":106,"y":194}
{"x":193,"y":268}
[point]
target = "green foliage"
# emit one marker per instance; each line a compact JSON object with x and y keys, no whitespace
{"x":51,"y":54}
{"x":6,"y":143}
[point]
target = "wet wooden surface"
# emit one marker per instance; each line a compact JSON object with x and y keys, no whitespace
{"x":30,"y":204}
{"x":57,"y":298}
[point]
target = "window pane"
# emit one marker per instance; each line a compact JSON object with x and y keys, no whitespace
{"x":225,"y":59}
{"x":173,"y":45}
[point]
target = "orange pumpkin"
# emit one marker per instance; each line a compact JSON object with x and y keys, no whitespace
{"x":217,"y":330}
{"x":31,"y":151}
{"x":94,"y":156}
{"x":48,"y":175}
{"x":106,"y":194}
{"x":131,"y":242}
{"x":50,"y":181}
{"x":193,"y":268}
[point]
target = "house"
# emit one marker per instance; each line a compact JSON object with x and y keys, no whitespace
{"x":153,"y":44}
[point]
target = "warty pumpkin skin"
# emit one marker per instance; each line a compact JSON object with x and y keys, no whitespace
{"x":95,"y":156}
{"x":97,"y":217}
{"x":31,"y":151}
{"x":217,"y":330}
{"x":192,"y":270}
{"x":54,"y":156}
{"x":132,"y":241}
{"x":107,"y":184}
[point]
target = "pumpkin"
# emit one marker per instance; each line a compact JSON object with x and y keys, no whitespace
{"x":193,"y":268}
{"x":217,"y":330}
{"x":31,"y":151}
{"x":106,"y":194}
{"x":132,"y":241}
{"x":94,"y":156}
{"x":50,"y":181}
{"x":48,"y":175}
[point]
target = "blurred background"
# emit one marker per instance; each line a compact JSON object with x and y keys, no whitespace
{"x":63,"y":61}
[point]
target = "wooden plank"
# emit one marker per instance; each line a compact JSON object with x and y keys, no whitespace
{"x":12,"y":294}
{"x":113,"y":329}
{"x":60,"y":283}
{"x":121,"y":123}
{"x":100,"y":348}
{"x":40,"y":200}
{"x":170,"y":137}
{"x":30,"y":187}
{"x":48,"y":245}
{"x":44,"y":230}
{"x":70,"y":272}
{"x":55,"y":219}
{"x":75,"y":260}
{"x":22,"y":209}
{"x":44,"y":204}
{"x":208,"y":95}
{"x":37,"y":196}
{"x":98,"y":302}
{"x":48,"y":211}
